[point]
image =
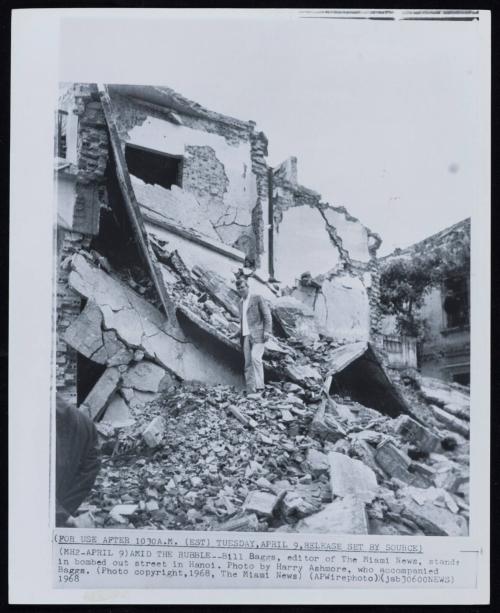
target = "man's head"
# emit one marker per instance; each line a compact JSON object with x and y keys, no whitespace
{"x":242,"y":287}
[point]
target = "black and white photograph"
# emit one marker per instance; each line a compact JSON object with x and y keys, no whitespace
{"x":263,"y":278}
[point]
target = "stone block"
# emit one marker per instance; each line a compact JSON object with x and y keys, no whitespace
{"x":153,"y":433}
{"x":316,"y":462}
{"x":118,"y":414}
{"x":451,"y":422}
{"x":246,"y":523}
{"x":101,"y":394}
{"x":413,"y":432}
{"x":346,"y":516}
{"x":434,"y":520}
{"x":350,"y":477}
{"x":325,"y":426}
{"x":85,"y":334}
{"x":146,"y":377}
{"x":294,"y":505}
{"x":261,"y":503}
{"x":295,"y":318}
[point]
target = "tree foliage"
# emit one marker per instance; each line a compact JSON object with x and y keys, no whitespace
{"x":405,"y":281}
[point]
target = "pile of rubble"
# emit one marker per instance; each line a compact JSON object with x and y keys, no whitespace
{"x":303,"y":456}
{"x":212,"y":458}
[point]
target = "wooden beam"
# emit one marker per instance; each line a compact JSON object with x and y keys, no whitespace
{"x":131,"y":203}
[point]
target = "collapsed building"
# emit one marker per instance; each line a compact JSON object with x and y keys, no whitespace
{"x":161,"y":205}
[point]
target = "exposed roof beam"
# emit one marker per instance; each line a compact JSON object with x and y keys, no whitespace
{"x":131,"y":203}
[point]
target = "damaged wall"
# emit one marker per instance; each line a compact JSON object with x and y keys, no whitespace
{"x":80,"y":193}
{"x":340,"y":305}
{"x":219,"y":167}
{"x":339,"y":252}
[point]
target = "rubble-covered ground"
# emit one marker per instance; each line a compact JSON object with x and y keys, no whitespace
{"x":295,"y":458}
{"x":213,"y":458}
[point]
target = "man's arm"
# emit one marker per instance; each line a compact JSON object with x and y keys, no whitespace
{"x":267,"y":319}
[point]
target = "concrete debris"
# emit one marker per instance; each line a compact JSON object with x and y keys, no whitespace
{"x":325,"y":427}
{"x":85,"y":334}
{"x":346,"y":516}
{"x":417,"y":434}
{"x":261,"y":503}
{"x":146,"y":377}
{"x":154,"y":432}
{"x":245,"y":523}
{"x":454,"y":398}
{"x":174,"y":206}
{"x":118,"y":413}
{"x":218,"y":289}
{"x":350,"y":477}
{"x":295,"y":318}
{"x":435,"y":520}
{"x":100,"y":395}
{"x":294,"y":506}
{"x":316,"y":462}
{"x":306,"y":454}
{"x":451,"y":422}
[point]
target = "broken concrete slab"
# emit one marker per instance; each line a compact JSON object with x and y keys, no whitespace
{"x":175,"y":205}
{"x":118,"y":413}
{"x":363,"y":451}
{"x":316,"y":462}
{"x":293,"y":505}
{"x":153,"y":433}
{"x":358,"y":370}
{"x":446,"y":396}
{"x":117,"y":353}
{"x":146,"y":377}
{"x":369,"y":436}
{"x":100,"y":395}
{"x":350,"y":477}
{"x":218,"y":288}
{"x":137,"y":399}
{"x":325,"y":427}
{"x":301,"y":373}
{"x":85,"y":334}
{"x":399,"y":466}
{"x":346,"y":516}
{"x":451,"y":422}
{"x":417,"y":434}
{"x":246,"y":523}
{"x":295,"y":318}
{"x":341,"y":357}
{"x":261,"y":503}
{"x":141,"y":326}
{"x":124,"y":509}
{"x":392,"y":459}
{"x":434,"y":520}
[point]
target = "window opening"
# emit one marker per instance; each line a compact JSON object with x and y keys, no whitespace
{"x":62,"y":121}
{"x":153,"y":167}
{"x":456,"y":302}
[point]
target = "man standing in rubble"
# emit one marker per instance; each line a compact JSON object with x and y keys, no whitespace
{"x":255,"y":318}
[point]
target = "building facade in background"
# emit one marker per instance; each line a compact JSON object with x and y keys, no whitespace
{"x":444,"y":350}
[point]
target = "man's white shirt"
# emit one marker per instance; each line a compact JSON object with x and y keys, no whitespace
{"x":244,"y":321}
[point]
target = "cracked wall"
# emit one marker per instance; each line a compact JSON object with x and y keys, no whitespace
{"x":341,"y":307}
{"x":139,"y":326}
{"x":81,"y":192}
{"x":335,"y":248}
{"x":220,"y":167}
